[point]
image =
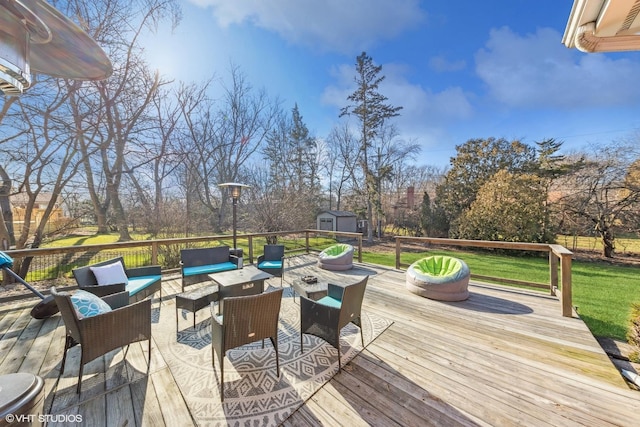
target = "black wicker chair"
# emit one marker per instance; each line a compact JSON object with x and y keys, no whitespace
{"x":326,"y":317}
{"x":272,"y":260}
{"x":102,"y":333}
{"x":244,"y":320}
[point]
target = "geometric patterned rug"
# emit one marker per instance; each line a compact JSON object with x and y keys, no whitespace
{"x":254,"y":395}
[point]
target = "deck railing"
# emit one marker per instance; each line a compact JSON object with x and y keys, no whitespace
{"x":558,"y":256}
{"x":59,"y":261}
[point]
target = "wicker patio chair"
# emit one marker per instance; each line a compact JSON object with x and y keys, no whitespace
{"x":272,"y":260}
{"x":245,"y":320}
{"x":99,"y":334}
{"x":326,"y":317}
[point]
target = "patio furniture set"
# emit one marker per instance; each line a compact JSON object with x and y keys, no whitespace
{"x":111,"y":309}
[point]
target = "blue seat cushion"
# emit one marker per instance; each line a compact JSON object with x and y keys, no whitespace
{"x":270,"y":264}
{"x":136,"y":284}
{"x":210,"y":268}
{"x":331,"y":302}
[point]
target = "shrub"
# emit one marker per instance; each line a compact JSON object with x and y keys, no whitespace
{"x":633,"y":335}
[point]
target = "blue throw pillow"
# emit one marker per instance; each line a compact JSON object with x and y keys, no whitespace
{"x":88,"y":304}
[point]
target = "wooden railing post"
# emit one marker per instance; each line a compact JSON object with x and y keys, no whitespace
{"x":154,"y":253}
{"x":307,"y":240}
{"x":397,"y":253}
{"x":565,"y":270}
{"x":553,"y":272}
{"x":250,"y":243}
{"x":360,"y":248}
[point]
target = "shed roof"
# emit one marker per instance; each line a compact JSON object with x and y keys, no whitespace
{"x":339,"y":213}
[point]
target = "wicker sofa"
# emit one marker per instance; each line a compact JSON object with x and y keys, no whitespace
{"x":141,"y":282}
{"x":197,"y":263}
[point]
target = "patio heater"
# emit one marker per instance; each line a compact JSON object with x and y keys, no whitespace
{"x":36,"y":37}
{"x":235,"y":189}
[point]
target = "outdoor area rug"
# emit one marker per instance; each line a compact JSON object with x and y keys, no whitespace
{"x":253,"y":392}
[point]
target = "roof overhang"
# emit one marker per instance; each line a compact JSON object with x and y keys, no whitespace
{"x":603,"y":26}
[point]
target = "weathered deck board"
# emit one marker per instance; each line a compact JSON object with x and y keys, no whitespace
{"x":503,"y":357}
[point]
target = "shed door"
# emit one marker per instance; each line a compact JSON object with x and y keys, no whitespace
{"x":326,"y":224}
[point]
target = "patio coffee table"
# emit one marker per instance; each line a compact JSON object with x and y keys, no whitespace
{"x":313,"y":291}
{"x":235,"y":283}
{"x":195,"y":300}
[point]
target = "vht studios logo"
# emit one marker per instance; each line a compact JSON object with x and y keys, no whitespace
{"x":43,"y":418}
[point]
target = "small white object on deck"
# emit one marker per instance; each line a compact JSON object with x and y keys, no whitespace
{"x":631,"y":376}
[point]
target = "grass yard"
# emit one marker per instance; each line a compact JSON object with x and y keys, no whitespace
{"x":94,"y":239}
{"x":624,"y":245}
{"x":602,"y":292}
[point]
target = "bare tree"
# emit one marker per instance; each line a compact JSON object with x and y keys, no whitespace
{"x":114,"y":111}
{"x":275,"y":207}
{"x":222,"y":137}
{"x":157,"y":159}
{"x":7,"y":236}
{"x":391,"y":155}
{"x":603,"y":192}
{"x":47,"y":155}
{"x":341,"y":162}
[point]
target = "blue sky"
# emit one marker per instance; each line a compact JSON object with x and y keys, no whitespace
{"x":460,"y":69}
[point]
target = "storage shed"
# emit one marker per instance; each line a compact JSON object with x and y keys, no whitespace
{"x":337,"y":221}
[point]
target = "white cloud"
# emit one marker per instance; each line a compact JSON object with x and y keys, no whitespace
{"x":536,"y":70}
{"x":337,"y":25}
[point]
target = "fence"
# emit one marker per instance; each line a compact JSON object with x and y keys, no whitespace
{"x":57,"y":263}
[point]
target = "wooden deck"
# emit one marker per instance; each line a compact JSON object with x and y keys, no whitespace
{"x":504,"y":357}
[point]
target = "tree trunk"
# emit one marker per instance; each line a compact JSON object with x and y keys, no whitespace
{"x":370,"y":221}
{"x":121,"y":219}
{"x":608,"y":243}
{"x":101,"y":219}
{"x":7,"y":236}
{"x":608,"y":239}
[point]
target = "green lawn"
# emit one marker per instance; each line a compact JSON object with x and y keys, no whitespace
{"x":94,"y":239}
{"x":602,"y":292}
{"x":624,"y":245}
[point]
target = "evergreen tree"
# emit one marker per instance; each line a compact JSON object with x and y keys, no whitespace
{"x":426,"y":219}
{"x":371,"y":110}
